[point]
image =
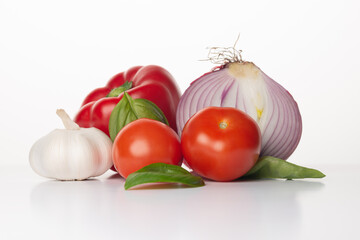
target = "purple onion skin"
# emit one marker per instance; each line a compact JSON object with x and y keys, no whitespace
{"x":245,"y":87}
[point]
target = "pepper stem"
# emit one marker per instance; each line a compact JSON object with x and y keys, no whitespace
{"x":68,"y":123}
{"x":117,"y":91}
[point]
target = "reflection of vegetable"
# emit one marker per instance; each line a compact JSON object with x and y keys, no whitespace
{"x":243,"y":85}
{"x":270,"y":167}
{"x":143,"y":142}
{"x":73,"y":153}
{"x":150,"y":82}
{"x":161,"y":172}
{"x":221,"y":144}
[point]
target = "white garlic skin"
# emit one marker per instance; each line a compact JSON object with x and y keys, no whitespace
{"x":66,"y":154}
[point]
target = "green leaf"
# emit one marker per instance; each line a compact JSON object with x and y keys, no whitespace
{"x":129,"y":109}
{"x":162,"y":172}
{"x":271,"y":167}
{"x":117,"y":91}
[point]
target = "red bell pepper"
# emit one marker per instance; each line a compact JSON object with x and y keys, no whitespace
{"x":151,"y":82}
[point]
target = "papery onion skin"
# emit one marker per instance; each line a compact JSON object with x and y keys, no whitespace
{"x":244,"y":86}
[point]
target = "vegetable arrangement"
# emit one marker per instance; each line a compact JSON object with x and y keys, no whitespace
{"x":244,"y":86}
{"x":234,"y":122}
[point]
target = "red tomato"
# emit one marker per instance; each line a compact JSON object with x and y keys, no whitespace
{"x":221,"y":143}
{"x":143,"y":142}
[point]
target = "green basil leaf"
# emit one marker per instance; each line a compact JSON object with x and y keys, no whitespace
{"x":162,"y":172}
{"x":129,"y":109}
{"x":271,"y":167}
{"x":117,"y":91}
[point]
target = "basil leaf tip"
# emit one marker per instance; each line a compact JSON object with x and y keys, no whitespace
{"x":271,"y":167}
{"x":162,"y":172}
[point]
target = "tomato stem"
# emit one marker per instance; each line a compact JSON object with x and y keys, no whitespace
{"x":223,"y":125}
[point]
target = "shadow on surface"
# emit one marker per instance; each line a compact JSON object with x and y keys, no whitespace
{"x":115,"y":176}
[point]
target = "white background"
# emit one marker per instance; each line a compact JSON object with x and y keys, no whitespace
{"x":53,"y":53}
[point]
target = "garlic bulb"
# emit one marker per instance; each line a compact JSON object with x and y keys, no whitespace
{"x":73,"y":153}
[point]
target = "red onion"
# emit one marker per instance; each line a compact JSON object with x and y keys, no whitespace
{"x":244,"y":86}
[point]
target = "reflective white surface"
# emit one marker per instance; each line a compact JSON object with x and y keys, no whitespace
{"x":37,"y":208}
